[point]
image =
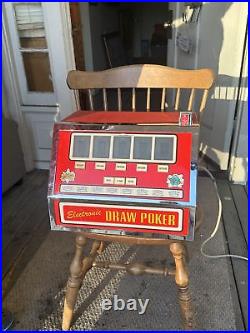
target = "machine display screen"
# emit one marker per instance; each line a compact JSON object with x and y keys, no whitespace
{"x":128,"y":148}
{"x":121,"y":147}
{"x":101,"y":147}
{"x":164,"y":149}
{"x":81,"y":146}
{"x":142,"y":148}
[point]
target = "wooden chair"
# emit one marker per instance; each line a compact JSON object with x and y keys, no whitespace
{"x":136,"y":77}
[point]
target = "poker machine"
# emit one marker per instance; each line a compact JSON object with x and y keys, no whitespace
{"x":125,"y":173}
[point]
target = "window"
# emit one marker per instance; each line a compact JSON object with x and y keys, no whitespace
{"x":28,"y":24}
{"x":33,"y":46}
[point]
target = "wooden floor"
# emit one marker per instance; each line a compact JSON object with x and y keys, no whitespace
{"x":26,"y":225}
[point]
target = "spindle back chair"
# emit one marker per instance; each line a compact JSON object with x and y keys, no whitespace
{"x":145,"y":77}
{"x":135,"y":77}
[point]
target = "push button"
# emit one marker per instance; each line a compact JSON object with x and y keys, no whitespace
{"x":120,"y":166}
{"x":130,"y":181}
{"x":141,"y":167}
{"x":79,"y":165}
{"x":119,"y":181}
{"x":100,"y":166}
{"x":108,"y":180}
{"x":162,"y":168}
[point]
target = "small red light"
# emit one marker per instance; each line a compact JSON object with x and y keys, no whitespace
{"x":185,"y":119}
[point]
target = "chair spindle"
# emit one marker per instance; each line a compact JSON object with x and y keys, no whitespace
{"x":177,"y":99}
{"x":105,"y":104}
{"x":148,"y":99}
{"x":91,"y":104}
{"x":163,"y":96}
{"x":119,"y":99}
{"x":133,"y":99}
{"x":203,"y":101}
{"x":191,"y":100}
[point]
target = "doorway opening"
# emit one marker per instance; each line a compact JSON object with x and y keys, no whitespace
{"x":108,"y":35}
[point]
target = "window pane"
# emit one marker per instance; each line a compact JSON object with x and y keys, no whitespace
{"x":30,"y":25}
{"x":164,"y":149}
{"x":142,"y":148}
{"x":121,"y":148}
{"x":37,"y":70}
{"x":101,"y":146}
{"x":33,"y":43}
{"x":81,"y":146}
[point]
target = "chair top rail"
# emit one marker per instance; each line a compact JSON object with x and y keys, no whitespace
{"x":141,"y":76}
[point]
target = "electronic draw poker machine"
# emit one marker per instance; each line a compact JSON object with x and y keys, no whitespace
{"x":125,"y":173}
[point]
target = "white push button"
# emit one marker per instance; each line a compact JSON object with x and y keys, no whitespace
{"x":79,"y":165}
{"x":130,"y":181}
{"x":120,"y":166}
{"x":141,"y":167}
{"x":108,"y":180}
{"x":119,"y":181}
{"x":100,"y":166}
{"x":162,"y":168}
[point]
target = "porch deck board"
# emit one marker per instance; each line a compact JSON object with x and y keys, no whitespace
{"x":25,"y":211}
{"x":236,"y":241}
{"x":23,"y":234}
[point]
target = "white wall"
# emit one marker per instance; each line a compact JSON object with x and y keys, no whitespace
{"x":218,"y":41}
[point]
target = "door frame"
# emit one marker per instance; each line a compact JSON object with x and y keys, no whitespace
{"x":27,"y":97}
{"x":66,"y":101}
{"x":13,"y":101}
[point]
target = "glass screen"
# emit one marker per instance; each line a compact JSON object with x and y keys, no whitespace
{"x":101,"y":146}
{"x":142,"y":148}
{"x":121,"y":147}
{"x":164,"y":149}
{"x":81,"y":146}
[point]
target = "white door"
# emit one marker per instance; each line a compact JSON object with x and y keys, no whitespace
{"x":216,"y":41}
{"x":37,"y":55}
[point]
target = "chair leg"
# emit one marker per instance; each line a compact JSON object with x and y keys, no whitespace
{"x":182,"y":281}
{"x":74,"y":283}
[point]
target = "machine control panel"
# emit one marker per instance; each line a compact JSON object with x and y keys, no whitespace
{"x":153,"y":165}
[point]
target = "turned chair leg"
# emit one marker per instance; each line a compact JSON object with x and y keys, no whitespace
{"x":74,"y":282}
{"x":78,"y":269}
{"x":182,"y":281}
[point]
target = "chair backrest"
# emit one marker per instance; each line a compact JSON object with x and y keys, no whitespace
{"x":146,"y":77}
